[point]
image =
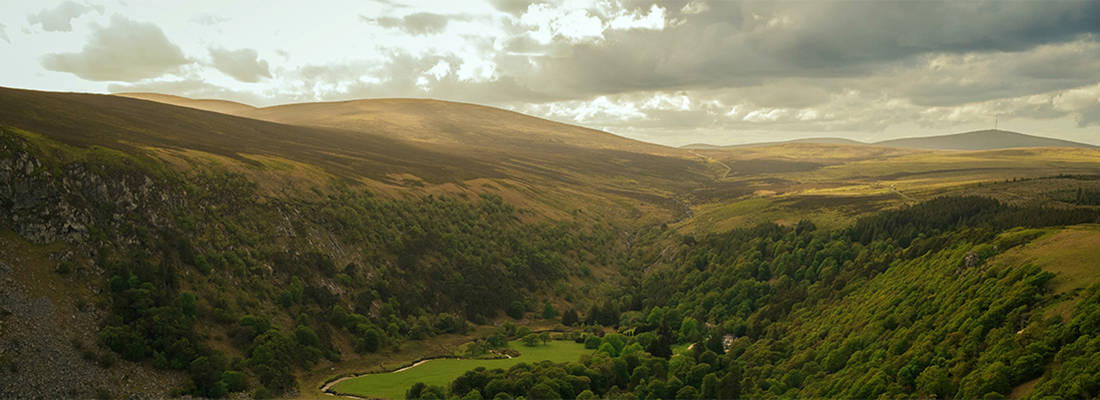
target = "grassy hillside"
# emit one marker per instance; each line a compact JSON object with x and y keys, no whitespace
{"x":822,"y":140}
{"x":200,"y":272}
{"x":980,"y":140}
{"x":238,"y":253}
{"x":206,"y":253}
{"x":550,"y":168}
{"x":218,"y":106}
{"x":531,"y":152}
{"x":976,"y":140}
{"x":833,"y":184}
{"x":927,"y":301}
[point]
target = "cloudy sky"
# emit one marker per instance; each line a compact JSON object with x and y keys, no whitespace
{"x":671,"y":72}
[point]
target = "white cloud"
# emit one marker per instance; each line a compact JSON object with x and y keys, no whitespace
{"x":440,"y":70}
{"x":243,"y":65}
{"x":673,"y":72}
{"x":766,"y":115}
{"x":60,"y":18}
{"x":208,"y":19}
{"x":1077,"y":99}
{"x":655,"y":20}
{"x":573,"y":24}
{"x":123,"y":51}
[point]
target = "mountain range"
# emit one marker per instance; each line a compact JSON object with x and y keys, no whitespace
{"x":991,"y":139}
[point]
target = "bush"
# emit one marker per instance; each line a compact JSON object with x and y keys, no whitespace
{"x":531,"y":340}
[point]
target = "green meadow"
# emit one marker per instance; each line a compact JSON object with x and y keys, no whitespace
{"x":392,"y":385}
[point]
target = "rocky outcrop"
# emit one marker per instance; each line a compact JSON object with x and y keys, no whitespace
{"x":64,"y":203}
{"x":32,"y":204}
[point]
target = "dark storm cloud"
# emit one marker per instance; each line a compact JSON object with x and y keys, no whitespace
{"x":123,"y":51}
{"x":741,"y":43}
{"x":947,"y":80}
{"x":844,"y":33}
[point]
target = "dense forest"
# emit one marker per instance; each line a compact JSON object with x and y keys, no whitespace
{"x":437,"y":263}
{"x":901,"y":304}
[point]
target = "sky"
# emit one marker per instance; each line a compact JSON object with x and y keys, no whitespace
{"x":669,"y":72}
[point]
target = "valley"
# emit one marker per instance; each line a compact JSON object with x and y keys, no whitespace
{"x":220,"y":249}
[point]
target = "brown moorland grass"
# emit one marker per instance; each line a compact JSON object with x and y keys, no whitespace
{"x":575,"y":168}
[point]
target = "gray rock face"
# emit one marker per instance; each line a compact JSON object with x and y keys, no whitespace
{"x":45,"y":208}
{"x":39,"y":358}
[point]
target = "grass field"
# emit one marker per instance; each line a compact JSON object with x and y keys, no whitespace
{"x":1071,"y":253}
{"x":833,"y":184}
{"x":392,"y":385}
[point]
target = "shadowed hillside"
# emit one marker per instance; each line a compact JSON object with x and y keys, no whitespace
{"x":403,"y":143}
{"x":126,"y":124}
{"x":521,"y":143}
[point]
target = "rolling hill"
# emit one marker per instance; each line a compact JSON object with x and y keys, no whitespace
{"x":426,"y":120}
{"x":419,"y":145}
{"x":219,"y":106}
{"x":335,"y":240}
{"x":824,"y":140}
{"x":980,"y":140}
{"x":976,"y":140}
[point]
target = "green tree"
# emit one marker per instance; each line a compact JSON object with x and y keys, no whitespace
{"x":710,"y":386}
{"x":570,"y":318}
{"x":531,"y":340}
{"x":548,"y":311}
{"x":729,"y":387}
{"x":516,"y":310}
{"x":934,"y":381}
{"x":542,"y":391}
{"x":592,"y":342}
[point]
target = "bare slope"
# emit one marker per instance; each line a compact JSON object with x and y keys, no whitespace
{"x":129,"y":125}
{"x":219,"y":106}
{"x":437,"y":121}
{"x":425,"y":120}
{"x":822,"y":140}
{"x":415,"y":144}
{"x":980,"y":140}
{"x":976,"y":140}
